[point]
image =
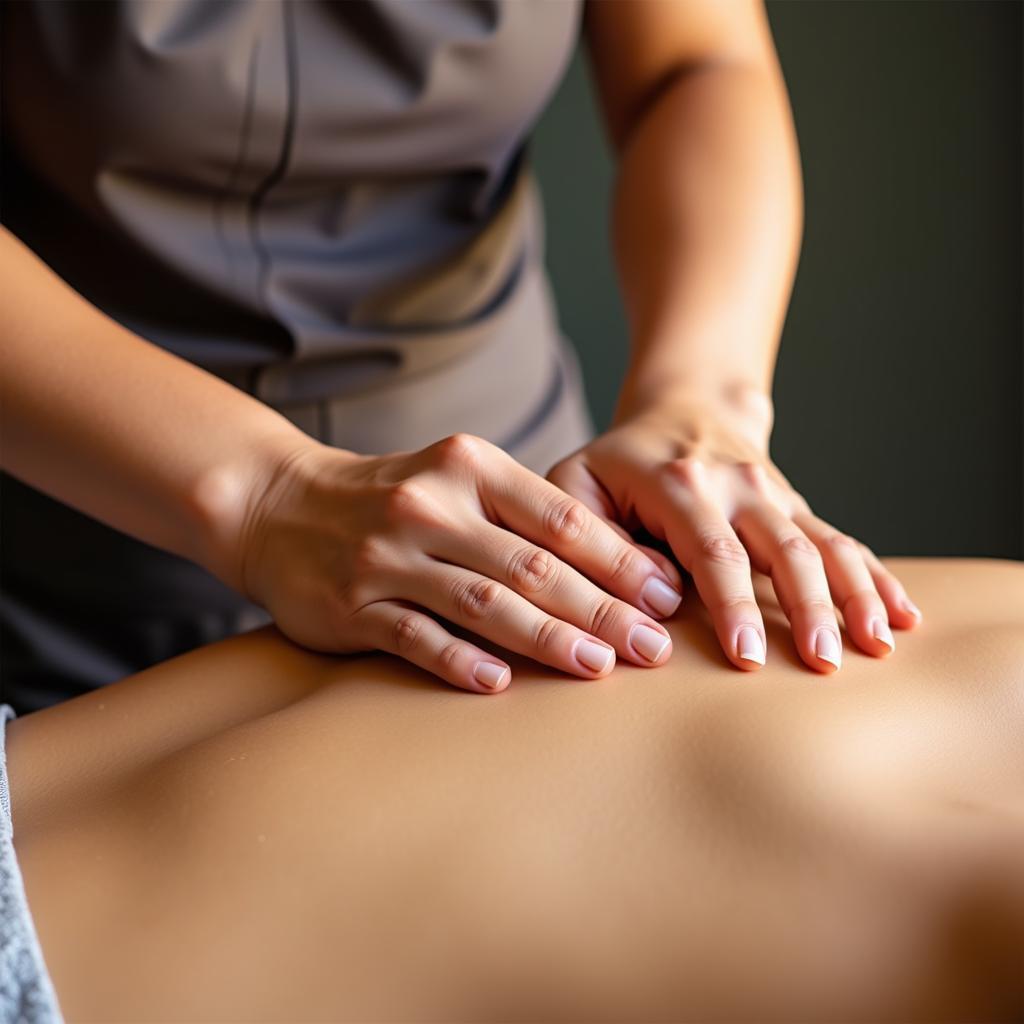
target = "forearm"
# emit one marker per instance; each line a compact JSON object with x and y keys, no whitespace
{"x":105,"y":421}
{"x":707,"y":222}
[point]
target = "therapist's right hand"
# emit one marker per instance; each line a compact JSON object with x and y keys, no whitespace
{"x":356,"y":553}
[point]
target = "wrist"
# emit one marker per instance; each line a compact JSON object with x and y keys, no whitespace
{"x":230,"y":500}
{"x":700,"y":400}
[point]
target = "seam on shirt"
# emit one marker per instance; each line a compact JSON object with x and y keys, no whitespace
{"x":281,"y":167}
{"x":234,"y":175}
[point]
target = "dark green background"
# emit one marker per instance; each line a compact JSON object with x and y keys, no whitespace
{"x":899,"y":386}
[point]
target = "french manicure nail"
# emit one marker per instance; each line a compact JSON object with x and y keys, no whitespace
{"x":749,"y":645}
{"x":593,"y":655}
{"x":826,"y":647}
{"x":488,"y":674}
{"x":660,"y":596}
{"x":880,"y":631}
{"x":647,"y":642}
{"x":912,"y":608}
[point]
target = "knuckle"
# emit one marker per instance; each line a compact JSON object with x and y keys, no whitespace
{"x":737,"y":603}
{"x":409,"y":501}
{"x":864,"y":594}
{"x":461,"y":451}
{"x":566,"y":520}
{"x":625,"y":567}
{"x":532,"y":569}
{"x":477,"y":599}
{"x":371,"y":555}
{"x":603,"y":616}
{"x":546,"y":633}
{"x":723,"y":550}
{"x":753,"y":473}
{"x":842,"y":543}
{"x":816,"y":607}
{"x":688,"y":470}
{"x":796,"y":545}
{"x":406,"y":633}
{"x":448,"y":655}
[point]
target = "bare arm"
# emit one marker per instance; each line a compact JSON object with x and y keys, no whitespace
{"x":124,"y":431}
{"x":707,"y":222}
{"x":337,"y":546}
{"x":707,"y":207}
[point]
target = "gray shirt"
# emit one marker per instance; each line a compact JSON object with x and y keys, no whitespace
{"x":250,"y":182}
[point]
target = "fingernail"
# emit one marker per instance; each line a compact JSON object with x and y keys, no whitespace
{"x":593,"y":655}
{"x":880,"y":631}
{"x":660,"y":596}
{"x":912,"y":608}
{"x":647,"y":642}
{"x":488,"y":674}
{"x":826,"y":647}
{"x":749,"y":645}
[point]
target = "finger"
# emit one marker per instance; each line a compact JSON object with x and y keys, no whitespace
{"x":780,"y":549}
{"x":710,"y":551}
{"x":573,"y":477}
{"x":666,"y":565}
{"x":557,"y":588}
{"x":561,"y":523}
{"x":853,"y":590}
{"x":494,"y":611}
{"x":410,"y":633}
{"x":903,"y":613}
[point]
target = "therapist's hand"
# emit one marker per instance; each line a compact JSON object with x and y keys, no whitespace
{"x":355,"y":553}
{"x":698,"y":476}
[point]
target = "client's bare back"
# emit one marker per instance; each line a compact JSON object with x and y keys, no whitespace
{"x":254,"y":832}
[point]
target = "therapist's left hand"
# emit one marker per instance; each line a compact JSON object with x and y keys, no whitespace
{"x":698,"y":475}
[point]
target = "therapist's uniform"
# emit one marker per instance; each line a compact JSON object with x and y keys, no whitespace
{"x":326,"y":204}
